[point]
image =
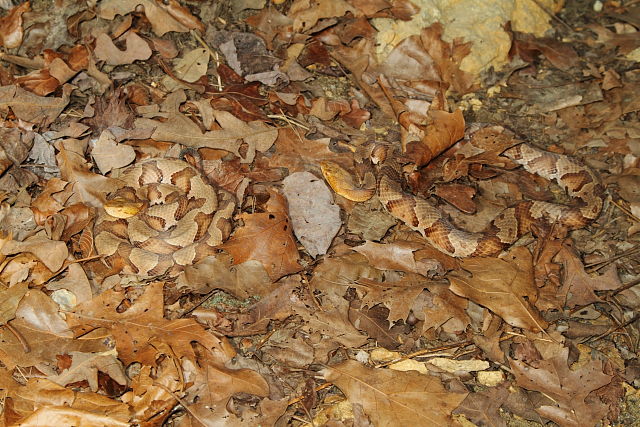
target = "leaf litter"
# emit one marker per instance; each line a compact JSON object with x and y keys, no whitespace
{"x":319,"y":309}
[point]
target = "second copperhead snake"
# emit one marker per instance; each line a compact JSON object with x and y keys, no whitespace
{"x":579,"y":181}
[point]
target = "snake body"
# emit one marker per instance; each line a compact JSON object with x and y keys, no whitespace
{"x":579,"y":181}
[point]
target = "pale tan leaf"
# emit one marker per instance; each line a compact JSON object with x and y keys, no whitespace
{"x":392,"y":398}
{"x":137,"y":49}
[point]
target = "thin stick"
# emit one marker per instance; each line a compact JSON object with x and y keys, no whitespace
{"x":625,"y":210}
{"x":318,"y":388}
{"x":595,"y":266}
{"x":553,"y":16}
{"x":622,"y":325}
{"x":425,"y":351}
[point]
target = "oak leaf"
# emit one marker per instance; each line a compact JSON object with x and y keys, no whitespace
{"x":142,"y":322}
{"x":266,"y":237}
{"x":568,"y":388}
{"x":504,"y":287}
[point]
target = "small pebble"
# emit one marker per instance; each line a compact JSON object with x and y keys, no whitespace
{"x":597,"y":6}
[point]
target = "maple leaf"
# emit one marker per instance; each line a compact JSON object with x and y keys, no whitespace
{"x":266,"y":237}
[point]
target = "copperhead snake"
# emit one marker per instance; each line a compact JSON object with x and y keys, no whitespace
{"x":164,"y":216}
{"x":579,"y":181}
{"x":172,"y":217}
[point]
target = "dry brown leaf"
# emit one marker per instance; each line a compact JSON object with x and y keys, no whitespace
{"x":444,"y":130}
{"x":398,"y":296}
{"x":9,"y":300}
{"x":392,"y":398}
{"x":62,"y":72}
{"x":578,"y":287}
{"x":266,"y":237}
{"x":181,"y":129}
{"x":215,"y":384}
{"x":561,"y":55}
{"x":39,"y":82}
{"x":504,"y":287}
{"x":459,"y":195}
{"x":306,"y":13}
{"x":41,"y":399}
{"x":109,"y":155}
{"x":41,"y":334}
{"x":373,"y":321}
{"x":397,"y":256}
{"x":75,"y":282}
{"x":569,"y":389}
{"x":333,"y":323}
{"x":443,"y":310}
{"x":144,"y":321}
{"x":163,"y":16}
{"x":296,"y":153}
{"x":11,"y":31}
{"x":219,"y":272}
{"x":85,"y":366}
{"x":483,"y":408}
{"x":192,"y":65}
{"x":370,"y":221}
{"x":137,"y":49}
{"x":52,"y":253}
{"x":33,"y":108}
{"x":90,"y":188}
{"x":156,"y":387}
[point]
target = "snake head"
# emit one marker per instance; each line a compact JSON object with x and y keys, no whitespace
{"x":343,"y":183}
{"x":122,"y":208}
